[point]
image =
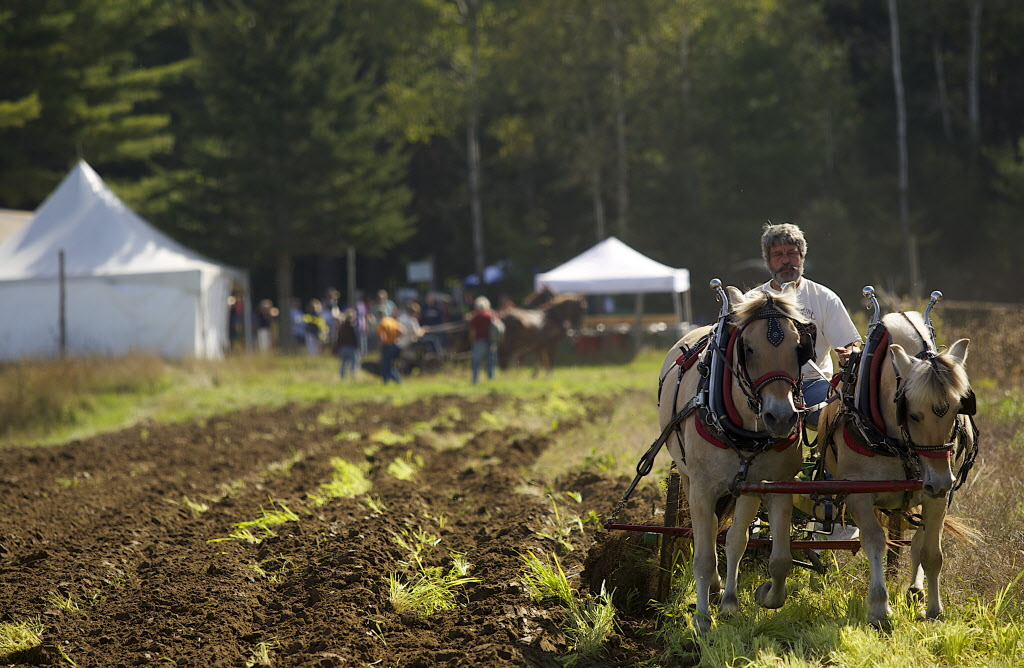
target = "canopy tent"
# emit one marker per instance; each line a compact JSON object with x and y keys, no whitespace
{"x":89,"y":266}
{"x":611,"y":267}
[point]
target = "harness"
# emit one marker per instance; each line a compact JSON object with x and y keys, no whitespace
{"x":719,"y":359}
{"x":864,"y":428}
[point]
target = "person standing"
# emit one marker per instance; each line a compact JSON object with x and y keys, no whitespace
{"x":784,"y":248}
{"x":389,"y":330}
{"x":346,"y":344}
{"x":482,"y":349}
{"x":266,"y":313}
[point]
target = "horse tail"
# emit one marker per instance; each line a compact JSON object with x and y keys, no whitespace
{"x":962,"y":531}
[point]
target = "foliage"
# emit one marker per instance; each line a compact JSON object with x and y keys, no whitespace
{"x":260,"y":132}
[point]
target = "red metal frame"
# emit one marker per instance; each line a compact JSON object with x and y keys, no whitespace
{"x":837,"y":487}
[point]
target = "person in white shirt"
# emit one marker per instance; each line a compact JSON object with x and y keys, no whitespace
{"x":784,"y":248}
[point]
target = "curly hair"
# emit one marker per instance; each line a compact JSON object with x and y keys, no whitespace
{"x":781,"y":234}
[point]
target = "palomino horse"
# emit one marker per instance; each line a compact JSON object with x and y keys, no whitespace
{"x":540,"y":331}
{"x":911,"y":419}
{"x":753,"y":355}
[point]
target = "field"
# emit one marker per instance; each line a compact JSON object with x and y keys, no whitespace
{"x":262,"y":514}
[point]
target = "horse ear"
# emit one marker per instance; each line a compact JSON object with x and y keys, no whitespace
{"x":735,"y":296}
{"x":904,"y":362}
{"x":958,"y":350}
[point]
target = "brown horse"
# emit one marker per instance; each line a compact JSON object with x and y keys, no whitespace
{"x":540,"y":331}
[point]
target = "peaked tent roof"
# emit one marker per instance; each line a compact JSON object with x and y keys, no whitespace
{"x":612,"y":267}
{"x":99,"y":234}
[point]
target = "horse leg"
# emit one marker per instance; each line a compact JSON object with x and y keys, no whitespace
{"x":934,"y":513}
{"x":915,"y":592}
{"x":735,"y":546}
{"x":705,"y":559}
{"x":872,"y":538}
{"x":780,"y":518}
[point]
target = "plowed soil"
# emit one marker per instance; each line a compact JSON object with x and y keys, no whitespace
{"x":104,"y":522}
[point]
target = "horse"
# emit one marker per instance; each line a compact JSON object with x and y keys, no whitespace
{"x":540,"y":331}
{"x":906,"y":413}
{"x":755,"y":351}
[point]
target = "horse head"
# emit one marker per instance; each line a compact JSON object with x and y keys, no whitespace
{"x":932,"y":390}
{"x":773,"y":343}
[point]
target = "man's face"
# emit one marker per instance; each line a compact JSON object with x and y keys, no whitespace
{"x":786,"y":263}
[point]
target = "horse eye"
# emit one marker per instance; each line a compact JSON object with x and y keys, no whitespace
{"x":915,"y":417}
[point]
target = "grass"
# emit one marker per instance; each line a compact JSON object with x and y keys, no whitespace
{"x":17,"y":638}
{"x":824,"y":624}
{"x":589,"y":621}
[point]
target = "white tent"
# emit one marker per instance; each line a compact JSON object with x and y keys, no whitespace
{"x":89,"y":266}
{"x":611,"y":268}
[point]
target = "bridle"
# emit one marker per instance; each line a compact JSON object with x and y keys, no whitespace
{"x":775,"y":335}
{"x":967,"y":407}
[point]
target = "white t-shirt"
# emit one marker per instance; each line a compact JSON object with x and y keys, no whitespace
{"x":825,"y":309}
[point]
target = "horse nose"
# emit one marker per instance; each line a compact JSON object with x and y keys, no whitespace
{"x":934,"y":491}
{"x":779,"y":423}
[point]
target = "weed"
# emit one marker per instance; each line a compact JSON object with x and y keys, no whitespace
{"x":16,"y":638}
{"x":417,"y":543}
{"x":589,"y":620}
{"x":374,"y":504}
{"x":197,"y":507}
{"x":261,"y":654}
{"x":406,"y":467}
{"x":65,"y":603}
{"x":428,"y":591}
{"x":347,"y":481}
{"x":257,"y":530}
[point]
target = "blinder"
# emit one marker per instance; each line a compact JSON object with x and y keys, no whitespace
{"x":808,"y":337}
{"x":968,"y":403}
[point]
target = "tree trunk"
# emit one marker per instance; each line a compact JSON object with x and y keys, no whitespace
{"x":596,"y":182}
{"x":945,"y":109}
{"x":901,"y":149}
{"x":618,"y":95}
{"x":973,"y":103}
{"x":283,"y":276}
{"x":470,"y":10}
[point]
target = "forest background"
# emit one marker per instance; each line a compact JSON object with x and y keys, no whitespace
{"x":276,"y":136}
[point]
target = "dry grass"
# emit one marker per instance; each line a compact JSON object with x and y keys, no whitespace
{"x":36,"y":394}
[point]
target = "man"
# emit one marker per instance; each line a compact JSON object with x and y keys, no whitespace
{"x":389,"y":330}
{"x":784,"y":248}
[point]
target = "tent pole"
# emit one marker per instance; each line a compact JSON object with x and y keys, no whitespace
{"x":247,"y":312}
{"x":62,"y":287}
{"x":638,"y":321}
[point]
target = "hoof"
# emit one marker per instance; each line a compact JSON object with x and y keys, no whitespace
{"x":701,"y":623}
{"x":763,"y":592}
{"x":883,"y":624}
{"x":729,"y":604}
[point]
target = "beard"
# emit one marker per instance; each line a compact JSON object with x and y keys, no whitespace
{"x":788,"y":274}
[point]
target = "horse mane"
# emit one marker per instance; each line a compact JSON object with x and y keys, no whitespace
{"x":943,"y":381}
{"x":749,"y":309}
{"x":940,"y":382}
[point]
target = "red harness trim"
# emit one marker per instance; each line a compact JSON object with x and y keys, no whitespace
{"x":876,"y":380}
{"x":710,"y":438}
{"x":854,"y":444}
{"x":730,"y":407}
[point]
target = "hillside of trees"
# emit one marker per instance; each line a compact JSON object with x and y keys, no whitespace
{"x":276,"y":136}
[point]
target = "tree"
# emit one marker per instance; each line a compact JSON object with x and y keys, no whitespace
{"x":288,"y":145}
{"x":73,"y":83}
